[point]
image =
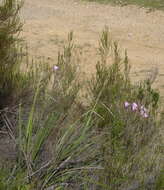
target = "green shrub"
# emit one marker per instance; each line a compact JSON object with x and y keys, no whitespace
{"x":127,"y":134}
{"x":10,"y":27}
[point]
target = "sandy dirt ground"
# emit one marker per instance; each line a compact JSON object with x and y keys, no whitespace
{"x":47,"y":23}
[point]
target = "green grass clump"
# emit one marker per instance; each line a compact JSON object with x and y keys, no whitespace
{"x":63,"y":143}
{"x":153,"y":4}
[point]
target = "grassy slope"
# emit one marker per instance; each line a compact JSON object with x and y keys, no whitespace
{"x":154,"y":4}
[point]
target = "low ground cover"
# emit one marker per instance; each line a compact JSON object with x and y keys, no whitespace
{"x":152,"y":4}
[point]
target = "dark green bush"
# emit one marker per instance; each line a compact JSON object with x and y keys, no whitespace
{"x":10,"y":77}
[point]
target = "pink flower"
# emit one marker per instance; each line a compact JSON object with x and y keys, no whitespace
{"x":143,"y":112}
{"x":126,"y":104}
{"x":145,"y":115}
{"x":55,"y":68}
{"x":134,"y":106}
{"x":143,"y":108}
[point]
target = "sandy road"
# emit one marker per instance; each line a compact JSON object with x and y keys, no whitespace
{"x":47,"y":23}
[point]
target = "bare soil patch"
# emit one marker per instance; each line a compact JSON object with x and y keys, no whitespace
{"x":47,"y":23}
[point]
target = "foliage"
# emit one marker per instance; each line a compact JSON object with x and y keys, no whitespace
{"x":152,"y":4}
{"x":62,"y":143}
{"x":10,"y":77}
{"x":126,"y":133}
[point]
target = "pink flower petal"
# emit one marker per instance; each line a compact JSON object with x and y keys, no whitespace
{"x":142,"y":112}
{"x":143,"y":108}
{"x":134,"y":106}
{"x":55,"y":68}
{"x":145,"y":115}
{"x":126,"y":104}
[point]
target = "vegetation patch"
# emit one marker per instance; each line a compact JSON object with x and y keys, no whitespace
{"x":152,"y":4}
{"x":51,"y":139}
